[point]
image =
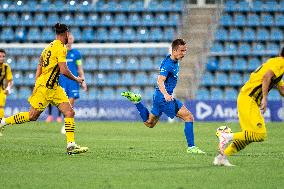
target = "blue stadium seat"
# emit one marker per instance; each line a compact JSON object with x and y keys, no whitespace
{"x":34,"y":62}
{"x":7,"y":34}
{"x":266,"y":19}
{"x":235,"y":34}
{"x":207,"y":79}
{"x":221,"y":79}
{"x":107,"y":94}
{"x":2,"y":19}
{"x":137,"y":5}
{"x":100,"y":79}
{"x":120,"y":19}
{"x":174,"y":18}
{"x":274,"y":95}
{"x":258,"y":48}
{"x":141,"y":78}
{"x":253,"y":63}
{"x":142,"y":34}
{"x":29,"y":78}
{"x":132,"y":63}
{"x":244,"y":49}
{"x":52,"y":19}
{"x":279,"y":19}
{"x":230,"y":5}
{"x":89,"y":77}
{"x":93,"y":19}
{"x":202,"y":94}
{"x":76,"y":33}
{"x":230,"y":48}
{"x":153,"y":78}
{"x":239,"y":20}
{"x":67,"y":19}
{"x":20,"y":34}
{"x":90,"y":63}
{"x":119,"y":63}
{"x":253,"y":19}
{"x":276,"y":34}
{"x":249,"y":34}
{"x":148,"y":93}
{"x":257,"y":6}
{"x":146,"y":63}
{"x":24,"y":92}
{"x":226,"y":20}
{"x":39,"y":19}
{"x":12,"y":19}
{"x":156,"y":34}
{"x":216,"y":94}
{"x":262,"y":34}
{"x":235,"y":79}
{"x":106,"y":19}
{"x":148,"y":19}
{"x":18,"y":78}
{"x":134,"y":19}
{"x":124,"y":5}
{"x":281,"y":5}
{"x":240,"y":64}
{"x":272,"y":48}
{"x":48,"y":34}
{"x":217,"y":48}
{"x":230,"y":94}
{"x":221,"y":34}
{"x":243,"y":6}
{"x":26,"y":19}
{"x":113,"y":79}
{"x":102,"y":35}
{"x":88,"y":34}
{"x":23,"y":63}
{"x":225,"y":64}
{"x":115,"y":34}
{"x":80,"y":19}
{"x":246,"y":77}
{"x":271,"y":5}
{"x":129,"y":34}
{"x":212,"y":64}
{"x":34,"y":34}
{"x":169,"y":33}
{"x":161,"y":19}
{"x":153,"y":5}
{"x":105,"y":63}
{"x":127,"y":78}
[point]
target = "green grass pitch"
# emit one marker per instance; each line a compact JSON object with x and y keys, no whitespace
{"x":129,"y":155}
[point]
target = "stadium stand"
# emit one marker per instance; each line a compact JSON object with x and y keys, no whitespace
{"x":108,"y":70}
{"x":248,"y":34}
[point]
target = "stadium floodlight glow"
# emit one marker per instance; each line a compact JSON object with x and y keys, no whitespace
{"x":19,"y":3}
{"x":85,"y":3}
{"x":72,"y":3}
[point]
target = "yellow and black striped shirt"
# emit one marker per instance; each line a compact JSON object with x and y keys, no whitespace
{"x":253,"y":87}
{"x":54,"y":53}
{"x":5,"y":74}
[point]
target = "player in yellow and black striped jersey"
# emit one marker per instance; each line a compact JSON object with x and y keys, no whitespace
{"x":252,"y":102}
{"x":6,"y":82}
{"x":47,"y":91}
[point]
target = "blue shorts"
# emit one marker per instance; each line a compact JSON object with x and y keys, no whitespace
{"x":70,"y":87}
{"x":170,"y":108}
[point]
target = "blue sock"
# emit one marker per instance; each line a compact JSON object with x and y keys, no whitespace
{"x":143,"y":111}
{"x":189,"y":134}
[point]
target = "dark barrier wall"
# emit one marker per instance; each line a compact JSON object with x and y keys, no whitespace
{"x":120,"y":110}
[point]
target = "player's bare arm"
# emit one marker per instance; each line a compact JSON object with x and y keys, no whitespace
{"x":65,"y":71}
{"x":82,"y":75}
{"x":39,"y":68}
{"x":161,"y":84}
{"x":281,"y":90}
{"x":266,"y":80}
{"x":9,"y":87}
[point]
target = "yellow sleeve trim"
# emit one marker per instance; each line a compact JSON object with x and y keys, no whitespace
{"x":79,"y":62}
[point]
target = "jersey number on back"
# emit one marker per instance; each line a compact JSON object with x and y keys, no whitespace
{"x":46,"y":59}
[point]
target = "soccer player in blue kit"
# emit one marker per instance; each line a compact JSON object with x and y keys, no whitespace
{"x":71,"y":88}
{"x":163,"y":101}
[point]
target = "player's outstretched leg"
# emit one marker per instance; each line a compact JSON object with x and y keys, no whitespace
{"x":136,"y":99}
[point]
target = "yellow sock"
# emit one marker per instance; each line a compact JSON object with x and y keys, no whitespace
{"x":235,"y":146}
{"x":69,"y":128}
{"x":249,"y":136}
{"x":1,"y":112}
{"x":19,"y":118}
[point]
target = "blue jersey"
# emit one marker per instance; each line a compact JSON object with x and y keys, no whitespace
{"x":170,"y":69}
{"x":71,"y":87}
